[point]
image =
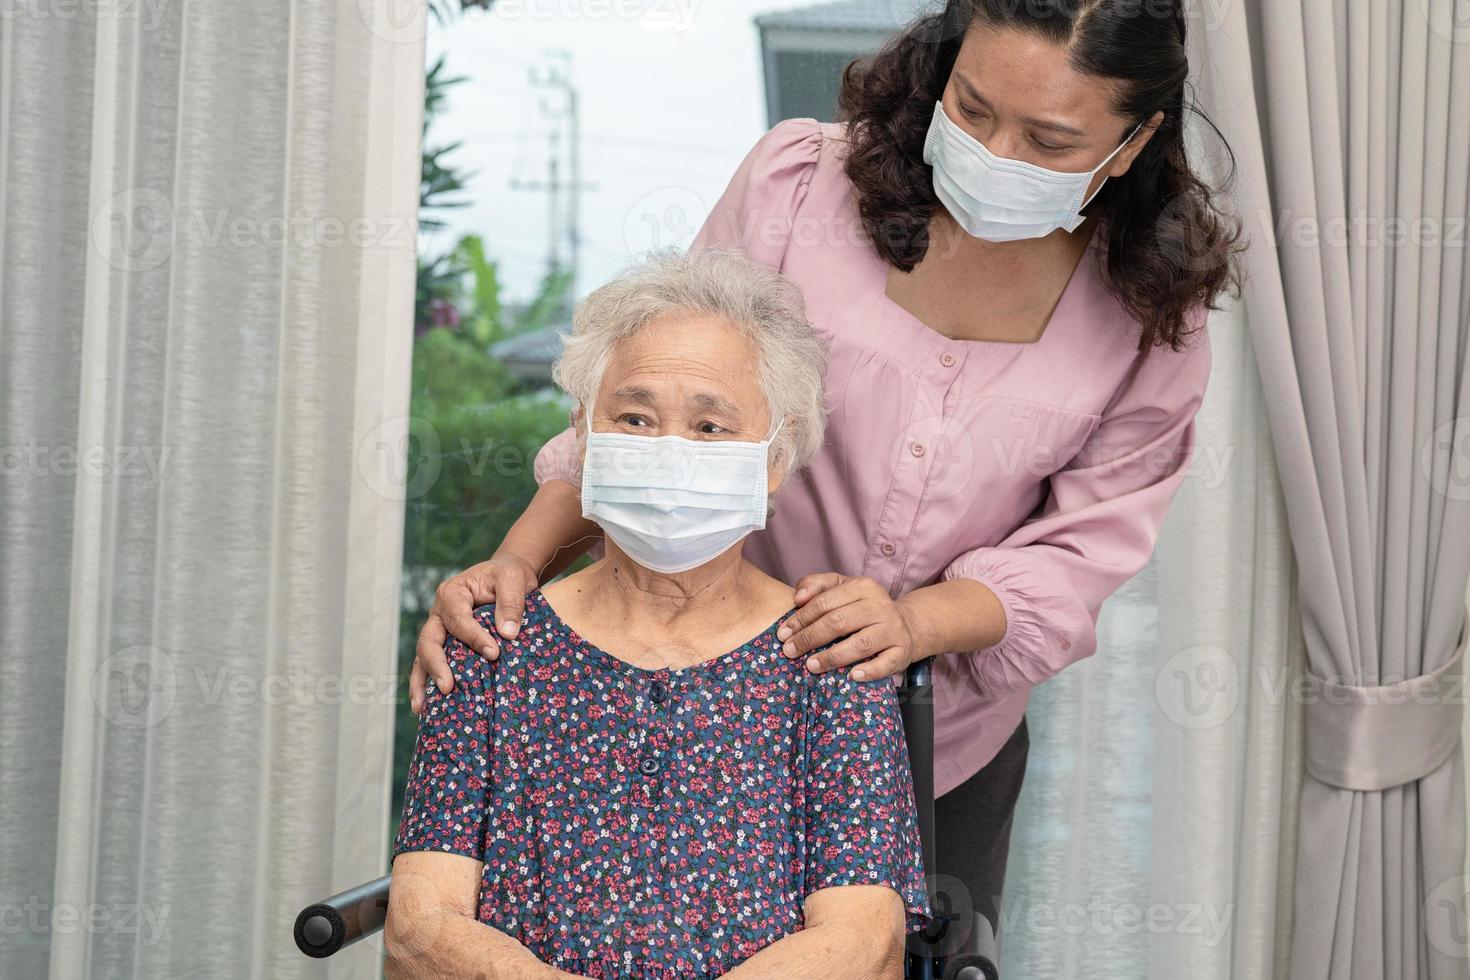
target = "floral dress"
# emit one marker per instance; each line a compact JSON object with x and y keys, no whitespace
{"x":659,"y":823}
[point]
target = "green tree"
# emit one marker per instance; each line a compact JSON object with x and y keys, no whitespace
{"x":477,"y":428}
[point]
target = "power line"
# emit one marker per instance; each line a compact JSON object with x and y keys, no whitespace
{"x":559,"y":107}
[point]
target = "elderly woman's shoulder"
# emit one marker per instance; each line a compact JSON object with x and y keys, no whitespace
{"x":837,"y":687}
{"x":462,"y":659}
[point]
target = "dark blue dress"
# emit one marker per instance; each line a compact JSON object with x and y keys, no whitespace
{"x":659,"y":823}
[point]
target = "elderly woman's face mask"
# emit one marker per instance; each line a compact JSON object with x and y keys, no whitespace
{"x":670,"y":503}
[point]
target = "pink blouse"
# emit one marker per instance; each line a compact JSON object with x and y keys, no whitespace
{"x":1042,"y":470}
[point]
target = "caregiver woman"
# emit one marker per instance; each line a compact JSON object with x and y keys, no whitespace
{"x":1012,"y":384}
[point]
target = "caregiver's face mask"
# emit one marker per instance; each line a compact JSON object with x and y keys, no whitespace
{"x":1003,"y":200}
{"x":672,"y":503}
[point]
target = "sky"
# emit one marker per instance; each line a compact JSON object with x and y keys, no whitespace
{"x":671,"y":97}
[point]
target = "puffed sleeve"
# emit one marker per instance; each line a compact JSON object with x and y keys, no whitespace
{"x":560,"y":459}
{"x":755,"y":214}
{"x":444,"y":806}
{"x":760,"y":204}
{"x":861,"y":825}
{"x":1097,"y":527}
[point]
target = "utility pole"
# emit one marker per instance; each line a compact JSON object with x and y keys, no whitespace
{"x":560,"y":109}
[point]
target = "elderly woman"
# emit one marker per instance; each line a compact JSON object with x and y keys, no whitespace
{"x":638,"y":784}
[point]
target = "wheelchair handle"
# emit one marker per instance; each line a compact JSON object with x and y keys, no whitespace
{"x":342,"y":920}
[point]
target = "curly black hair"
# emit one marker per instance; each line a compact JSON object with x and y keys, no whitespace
{"x":1170,"y":248}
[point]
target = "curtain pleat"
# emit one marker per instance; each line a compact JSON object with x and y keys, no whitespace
{"x":206,"y":290}
{"x":1160,"y":794}
{"x":1358,"y":134}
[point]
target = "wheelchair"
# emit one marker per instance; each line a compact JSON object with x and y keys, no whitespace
{"x":960,"y":943}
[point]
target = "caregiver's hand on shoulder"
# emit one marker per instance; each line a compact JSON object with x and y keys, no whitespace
{"x":504,"y":580}
{"x":833,"y":606}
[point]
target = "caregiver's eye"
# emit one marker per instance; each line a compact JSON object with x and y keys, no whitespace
{"x":970,"y":113}
{"x":1046,"y":147}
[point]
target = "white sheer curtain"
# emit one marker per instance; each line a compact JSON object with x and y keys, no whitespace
{"x":206,"y":289}
{"x":1160,"y":793}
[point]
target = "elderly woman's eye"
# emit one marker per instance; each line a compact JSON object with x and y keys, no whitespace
{"x":634,"y":420}
{"x":711,"y":428}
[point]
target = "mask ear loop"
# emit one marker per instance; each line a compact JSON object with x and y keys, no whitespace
{"x":770,"y":510}
{"x":1107,"y":160}
{"x":587,"y":415}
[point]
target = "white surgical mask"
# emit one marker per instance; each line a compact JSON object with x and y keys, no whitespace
{"x":672,"y":503}
{"x":1003,"y":200}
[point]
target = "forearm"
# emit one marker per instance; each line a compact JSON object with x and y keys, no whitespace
{"x":552,"y":533}
{"x":956,"y":616}
{"x":449,"y":945}
{"x":830,"y":951}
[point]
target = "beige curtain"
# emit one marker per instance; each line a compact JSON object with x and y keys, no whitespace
{"x":1352,"y":123}
{"x":206,"y":286}
{"x":1161,"y":790}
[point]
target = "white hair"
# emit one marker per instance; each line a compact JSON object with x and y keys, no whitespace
{"x":726,"y":284}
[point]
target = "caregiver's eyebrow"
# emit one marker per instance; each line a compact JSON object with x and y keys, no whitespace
{"x":973,"y":93}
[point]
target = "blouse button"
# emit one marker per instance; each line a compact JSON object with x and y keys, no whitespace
{"x":917,"y":449}
{"x":649,"y":765}
{"x":888,"y":549}
{"x":657,"y":691}
{"x":947,"y":359}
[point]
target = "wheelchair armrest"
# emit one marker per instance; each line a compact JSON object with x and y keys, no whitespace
{"x":977,"y":958}
{"x":326,"y":926}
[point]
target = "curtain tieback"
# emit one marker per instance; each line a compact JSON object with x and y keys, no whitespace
{"x":1373,"y":738}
